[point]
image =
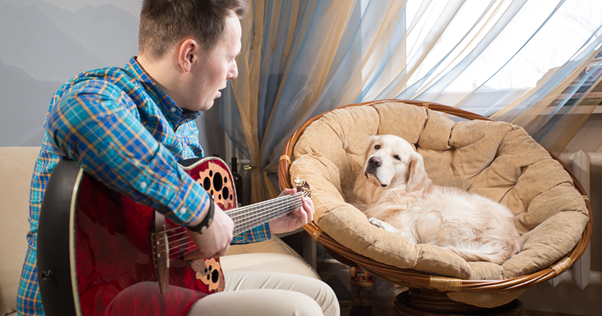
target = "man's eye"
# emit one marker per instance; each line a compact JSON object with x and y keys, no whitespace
{"x":376,"y":146}
{"x":397,"y":157}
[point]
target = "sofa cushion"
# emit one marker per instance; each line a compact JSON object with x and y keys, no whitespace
{"x":16,"y":169}
{"x":272,"y":255}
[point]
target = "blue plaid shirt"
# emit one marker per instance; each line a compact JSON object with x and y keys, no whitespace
{"x":120,"y":127}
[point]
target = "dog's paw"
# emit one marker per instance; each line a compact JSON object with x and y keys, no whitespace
{"x":390,"y":228}
{"x":381,"y":224}
{"x":375,"y":222}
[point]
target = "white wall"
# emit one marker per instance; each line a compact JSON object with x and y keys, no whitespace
{"x":44,"y":43}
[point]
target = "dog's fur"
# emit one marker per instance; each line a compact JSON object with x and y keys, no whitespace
{"x":396,"y":194}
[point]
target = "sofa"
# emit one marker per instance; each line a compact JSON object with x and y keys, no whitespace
{"x":16,"y":167}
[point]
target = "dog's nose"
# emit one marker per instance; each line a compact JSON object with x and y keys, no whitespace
{"x":375,"y":161}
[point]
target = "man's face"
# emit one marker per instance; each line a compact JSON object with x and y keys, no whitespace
{"x":214,"y":68}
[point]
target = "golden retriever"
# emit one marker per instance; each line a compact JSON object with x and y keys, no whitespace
{"x":396,"y":194}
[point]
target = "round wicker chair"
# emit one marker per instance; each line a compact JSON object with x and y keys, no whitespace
{"x":436,"y":293}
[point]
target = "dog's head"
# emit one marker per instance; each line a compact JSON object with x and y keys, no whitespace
{"x":391,"y":161}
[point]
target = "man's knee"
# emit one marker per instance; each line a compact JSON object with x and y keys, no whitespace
{"x":257,"y":302}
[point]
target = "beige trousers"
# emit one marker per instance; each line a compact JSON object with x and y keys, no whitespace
{"x":251,"y":293}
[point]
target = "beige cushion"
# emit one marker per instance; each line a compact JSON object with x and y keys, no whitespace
{"x":16,"y":169}
{"x":495,"y":159}
{"x":269,"y":256}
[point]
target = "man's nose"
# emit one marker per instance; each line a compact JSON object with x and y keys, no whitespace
{"x":233,"y":72}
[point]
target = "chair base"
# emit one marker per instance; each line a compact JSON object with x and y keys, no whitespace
{"x":432,"y":303}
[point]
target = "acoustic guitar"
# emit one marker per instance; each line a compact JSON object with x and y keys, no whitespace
{"x":101,"y":253}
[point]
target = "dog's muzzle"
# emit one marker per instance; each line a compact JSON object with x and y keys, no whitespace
{"x":373,"y":164}
{"x":375,"y":161}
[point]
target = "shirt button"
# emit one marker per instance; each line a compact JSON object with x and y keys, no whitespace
{"x":183,"y":210}
{"x":143,"y":185}
{"x":173,"y":109}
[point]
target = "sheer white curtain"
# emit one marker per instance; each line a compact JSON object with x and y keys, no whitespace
{"x":534,"y":63}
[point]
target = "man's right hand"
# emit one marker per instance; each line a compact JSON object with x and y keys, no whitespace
{"x":215,"y":241}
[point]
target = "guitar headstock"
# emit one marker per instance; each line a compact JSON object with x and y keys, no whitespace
{"x":302,"y":186}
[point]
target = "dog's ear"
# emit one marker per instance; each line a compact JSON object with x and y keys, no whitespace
{"x":417,"y":177}
{"x":371,"y":140}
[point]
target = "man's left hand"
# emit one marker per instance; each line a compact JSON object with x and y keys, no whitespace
{"x":295,"y":219}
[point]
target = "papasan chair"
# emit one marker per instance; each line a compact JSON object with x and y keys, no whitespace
{"x":498,"y":160}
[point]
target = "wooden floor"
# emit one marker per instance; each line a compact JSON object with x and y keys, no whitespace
{"x":537,"y":313}
{"x":388,"y":311}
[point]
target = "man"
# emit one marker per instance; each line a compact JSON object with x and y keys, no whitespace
{"x":129,"y":127}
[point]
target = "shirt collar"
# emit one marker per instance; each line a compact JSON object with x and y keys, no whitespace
{"x":167,"y":105}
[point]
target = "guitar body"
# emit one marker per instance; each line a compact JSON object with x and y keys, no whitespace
{"x":101,"y":253}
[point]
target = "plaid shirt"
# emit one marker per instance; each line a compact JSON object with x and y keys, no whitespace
{"x":120,"y":127}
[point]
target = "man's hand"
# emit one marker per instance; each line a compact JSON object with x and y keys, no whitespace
{"x":295,"y":219}
{"x":215,"y":241}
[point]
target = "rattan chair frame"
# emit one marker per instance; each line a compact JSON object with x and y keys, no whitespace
{"x":416,"y":279}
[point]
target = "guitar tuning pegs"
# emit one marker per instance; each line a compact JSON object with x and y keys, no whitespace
{"x":298,"y":182}
{"x":306,"y":192}
{"x":302,"y":186}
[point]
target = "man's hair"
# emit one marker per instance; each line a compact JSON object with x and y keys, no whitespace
{"x":164,"y":22}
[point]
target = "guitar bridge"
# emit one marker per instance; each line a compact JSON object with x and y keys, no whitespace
{"x":160,"y":246}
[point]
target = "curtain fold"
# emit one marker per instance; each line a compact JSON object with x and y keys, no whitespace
{"x":533,"y":63}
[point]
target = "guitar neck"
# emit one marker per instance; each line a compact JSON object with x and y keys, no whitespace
{"x":251,"y":216}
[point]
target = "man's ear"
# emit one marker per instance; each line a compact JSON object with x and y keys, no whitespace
{"x":417,"y":177}
{"x":187,"y":54}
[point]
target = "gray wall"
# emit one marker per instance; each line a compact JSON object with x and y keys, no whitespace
{"x":43,"y":43}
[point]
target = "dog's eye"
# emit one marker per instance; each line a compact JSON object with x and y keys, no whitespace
{"x":376,"y":146}
{"x":397,"y":157}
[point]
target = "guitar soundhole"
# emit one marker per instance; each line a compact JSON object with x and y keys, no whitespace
{"x":215,"y":276}
{"x":207,"y":184}
{"x":212,"y":274}
{"x":217,"y":181}
{"x":226,"y":192}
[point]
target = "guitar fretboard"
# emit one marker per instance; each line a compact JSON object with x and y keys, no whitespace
{"x":251,"y":216}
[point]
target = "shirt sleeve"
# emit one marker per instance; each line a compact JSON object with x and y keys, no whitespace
{"x":257,"y":234}
{"x":93,"y":124}
{"x":189,"y":134}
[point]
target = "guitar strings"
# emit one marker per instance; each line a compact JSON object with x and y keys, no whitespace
{"x":244,"y":210}
{"x":261,"y":217}
{"x":275,"y":208}
{"x":173,"y":244}
{"x":277,"y":201}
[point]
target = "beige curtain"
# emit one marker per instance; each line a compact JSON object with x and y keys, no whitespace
{"x":533,"y":63}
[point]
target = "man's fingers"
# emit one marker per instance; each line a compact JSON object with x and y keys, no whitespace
{"x":196,"y":254}
{"x":288,"y":192}
{"x":308,"y":205}
{"x":221,"y":253}
{"x":193,"y":255}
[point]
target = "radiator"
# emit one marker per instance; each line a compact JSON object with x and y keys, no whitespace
{"x":581,"y":273}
